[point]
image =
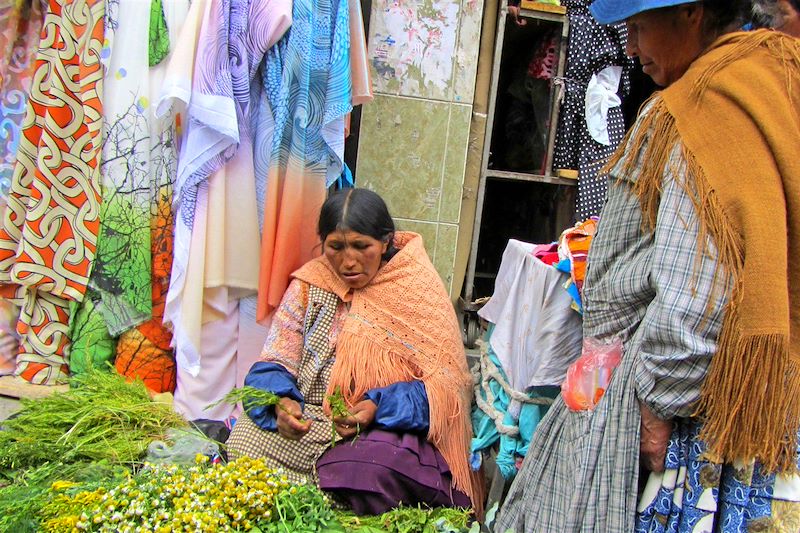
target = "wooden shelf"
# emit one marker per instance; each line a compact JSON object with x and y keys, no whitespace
{"x":16,"y":387}
{"x":523,"y":176}
{"x":567,"y":173}
{"x":542,"y":6}
{"x":548,"y":19}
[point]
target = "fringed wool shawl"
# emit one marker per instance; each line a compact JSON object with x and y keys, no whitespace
{"x":402,"y":327}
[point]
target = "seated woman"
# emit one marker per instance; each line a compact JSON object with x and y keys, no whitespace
{"x":370,"y":318}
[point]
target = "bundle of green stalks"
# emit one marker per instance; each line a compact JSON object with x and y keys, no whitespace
{"x":250,"y":397}
{"x":102,"y":417}
{"x":408,"y":520}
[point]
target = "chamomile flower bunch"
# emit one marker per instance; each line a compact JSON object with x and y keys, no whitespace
{"x":167,"y":498}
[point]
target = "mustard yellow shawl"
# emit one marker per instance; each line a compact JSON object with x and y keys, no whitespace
{"x":735,"y":116}
{"x":402,"y":327}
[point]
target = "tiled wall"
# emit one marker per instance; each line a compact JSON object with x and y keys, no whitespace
{"x":414,"y":135}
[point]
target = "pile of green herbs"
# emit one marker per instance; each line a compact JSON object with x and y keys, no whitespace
{"x":306,"y":509}
{"x":24,"y":493}
{"x":101,"y":417}
{"x":86,"y":493}
{"x":89,"y":437}
{"x":409,"y":520}
{"x":94,"y":436}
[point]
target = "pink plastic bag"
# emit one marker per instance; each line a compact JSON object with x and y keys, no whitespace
{"x":588,"y":377}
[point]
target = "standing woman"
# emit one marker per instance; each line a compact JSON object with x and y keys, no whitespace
{"x":371,"y":318}
{"x":694,"y":269}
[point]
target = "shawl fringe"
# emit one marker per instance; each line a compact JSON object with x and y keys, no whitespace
{"x":740,"y":420}
{"x":447,"y":414}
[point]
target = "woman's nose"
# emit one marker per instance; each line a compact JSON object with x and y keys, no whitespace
{"x":350,"y":256}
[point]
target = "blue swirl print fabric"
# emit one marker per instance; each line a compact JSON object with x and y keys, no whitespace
{"x":695,"y":495}
{"x":299,"y":141}
{"x":307,"y":87}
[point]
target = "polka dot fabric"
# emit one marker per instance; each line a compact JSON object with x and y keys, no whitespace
{"x":592,"y":47}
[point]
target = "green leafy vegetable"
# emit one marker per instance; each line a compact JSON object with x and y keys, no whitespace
{"x":302,"y":509}
{"x":102,"y":417}
{"x":250,"y":397}
{"x":339,"y":410}
{"x":22,"y":501}
{"x":408,"y":520}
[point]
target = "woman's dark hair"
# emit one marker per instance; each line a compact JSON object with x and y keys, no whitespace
{"x":767,"y":13}
{"x":359,"y":210}
{"x":722,"y":14}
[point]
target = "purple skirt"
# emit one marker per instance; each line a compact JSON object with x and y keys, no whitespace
{"x":381,"y":470}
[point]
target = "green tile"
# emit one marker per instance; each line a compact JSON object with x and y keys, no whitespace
{"x":402,"y":143}
{"x":466,"y":61}
{"x":446,"y":253}
{"x":455,"y":162}
{"x":426,"y":229}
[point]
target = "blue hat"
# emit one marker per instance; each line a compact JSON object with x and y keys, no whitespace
{"x":609,"y":11}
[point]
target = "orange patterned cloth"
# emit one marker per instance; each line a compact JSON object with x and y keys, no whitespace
{"x":402,"y":327}
{"x":49,"y":233}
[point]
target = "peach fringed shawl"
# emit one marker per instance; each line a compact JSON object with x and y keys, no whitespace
{"x":734,"y":114}
{"x":402,"y":327}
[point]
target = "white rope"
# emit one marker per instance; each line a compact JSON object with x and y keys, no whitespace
{"x":482,"y":373}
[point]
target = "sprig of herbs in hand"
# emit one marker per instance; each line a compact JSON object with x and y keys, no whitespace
{"x":250,"y":397}
{"x":254,"y":397}
{"x":339,"y":410}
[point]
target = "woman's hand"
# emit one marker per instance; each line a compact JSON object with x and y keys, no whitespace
{"x":361,"y":416}
{"x":653,"y":440}
{"x":290,"y":419}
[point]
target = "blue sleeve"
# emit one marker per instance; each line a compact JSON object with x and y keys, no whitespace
{"x":402,"y":406}
{"x":276,"y":379}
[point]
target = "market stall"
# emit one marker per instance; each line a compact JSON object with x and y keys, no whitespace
{"x":106,"y":456}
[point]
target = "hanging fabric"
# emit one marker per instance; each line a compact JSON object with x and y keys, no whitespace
{"x":308,"y":91}
{"x":49,"y":234}
{"x":19,"y":40}
{"x":137,"y":169}
{"x":145,"y":352}
{"x":216,"y":229}
{"x":136,"y":150}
